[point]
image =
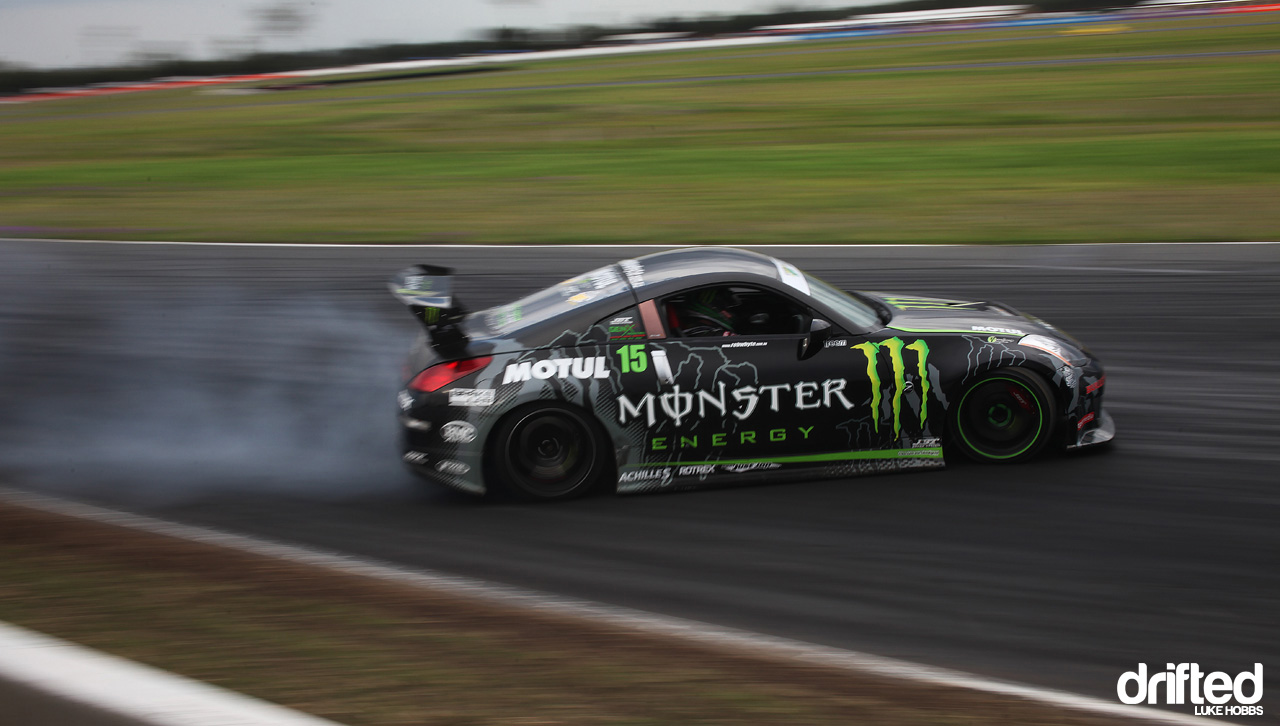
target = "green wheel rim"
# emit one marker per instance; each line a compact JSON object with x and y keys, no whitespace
{"x":1007,"y":414}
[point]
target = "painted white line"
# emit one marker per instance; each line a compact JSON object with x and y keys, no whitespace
{"x":635,"y":620}
{"x":619,"y":245}
{"x":545,"y":55}
{"x":54,"y":681}
{"x":1078,"y":268}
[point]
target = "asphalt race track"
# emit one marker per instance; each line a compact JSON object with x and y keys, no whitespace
{"x":252,"y":389}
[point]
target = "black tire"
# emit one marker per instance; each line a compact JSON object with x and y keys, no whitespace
{"x":1005,"y":416}
{"x":547,"y":451}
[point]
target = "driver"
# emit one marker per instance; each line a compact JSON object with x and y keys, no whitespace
{"x":705,"y":313}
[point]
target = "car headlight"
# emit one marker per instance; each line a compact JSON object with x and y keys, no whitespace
{"x":1066,"y":353}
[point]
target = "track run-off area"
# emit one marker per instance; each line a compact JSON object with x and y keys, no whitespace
{"x":252,"y":389}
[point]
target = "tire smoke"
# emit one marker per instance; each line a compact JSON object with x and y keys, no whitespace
{"x":165,"y":386}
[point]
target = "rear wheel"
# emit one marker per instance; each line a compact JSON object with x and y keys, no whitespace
{"x":548,"y":452}
{"x":1007,"y":415}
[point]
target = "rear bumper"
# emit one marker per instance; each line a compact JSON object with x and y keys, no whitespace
{"x":454,"y":465}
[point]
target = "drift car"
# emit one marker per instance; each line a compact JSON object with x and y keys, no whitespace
{"x":712,"y":366}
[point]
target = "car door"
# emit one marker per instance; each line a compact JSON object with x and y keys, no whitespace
{"x":742,"y":396}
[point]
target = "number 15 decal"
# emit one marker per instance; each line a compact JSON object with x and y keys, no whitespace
{"x":635,"y":359}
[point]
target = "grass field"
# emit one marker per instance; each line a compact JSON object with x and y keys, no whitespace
{"x":888,"y":140}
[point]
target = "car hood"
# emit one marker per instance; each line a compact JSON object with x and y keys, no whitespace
{"x":939,"y":315}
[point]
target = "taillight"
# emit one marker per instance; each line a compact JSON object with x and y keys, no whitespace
{"x":440,"y":375}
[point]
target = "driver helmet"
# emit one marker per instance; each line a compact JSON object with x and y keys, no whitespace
{"x":715,"y":304}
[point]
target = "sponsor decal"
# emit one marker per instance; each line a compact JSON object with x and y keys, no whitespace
{"x":894,"y":347}
{"x":999,"y":340}
{"x":623,"y":327}
{"x":696,"y":470}
{"x":743,"y":468}
{"x":746,"y":344}
{"x":917,"y":453}
{"x":662,"y":476}
{"x":995,"y":329}
{"x":413,"y":283}
{"x":1212,"y":694}
{"x":580,"y":368}
{"x":596,"y":279}
{"x":1084,"y":420}
{"x":929,"y":442}
{"x":628,"y":332}
{"x":475,"y":397}
{"x":1020,"y":397}
{"x":603,"y":281}
{"x":405,"y":399}
{"x":454,"y":468}
{"x":677,"y":405}
{"x":458,"y":432}
{"x":792,"y":276}
{"x":415,"y":457}
{"x":634,"y":272}
{"x":506,"y":315}
{"x":415,"y":423}
{"x":874,"y":459}
{"x":837,"y":343}
{"x":1096,"y":384}
{"x":724,"y":438}
{"x":422,"y":289}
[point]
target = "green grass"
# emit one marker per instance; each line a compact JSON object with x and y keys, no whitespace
{"x":1139,"y":151}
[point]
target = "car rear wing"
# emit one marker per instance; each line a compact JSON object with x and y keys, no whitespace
{"x":428,"y":291}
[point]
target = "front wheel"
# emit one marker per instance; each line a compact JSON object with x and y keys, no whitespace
{"x":547,"y":452}
{"x":1007,"y":415}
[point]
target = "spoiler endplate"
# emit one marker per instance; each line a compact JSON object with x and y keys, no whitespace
{"x":428,"y":292}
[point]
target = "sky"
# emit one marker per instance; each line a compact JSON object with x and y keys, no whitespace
{"x":68,"y":33}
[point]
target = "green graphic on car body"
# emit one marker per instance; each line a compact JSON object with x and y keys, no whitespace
{"x":895,"y":347}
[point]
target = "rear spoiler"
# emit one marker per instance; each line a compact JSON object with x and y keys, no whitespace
{"x":428,"y":291}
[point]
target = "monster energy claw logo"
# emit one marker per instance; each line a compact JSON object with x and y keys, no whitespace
{"x":895,"y":346}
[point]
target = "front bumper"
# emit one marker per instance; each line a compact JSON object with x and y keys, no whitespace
{"x":1103,"y":431}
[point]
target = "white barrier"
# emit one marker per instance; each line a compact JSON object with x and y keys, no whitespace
{"x":45,"y":681}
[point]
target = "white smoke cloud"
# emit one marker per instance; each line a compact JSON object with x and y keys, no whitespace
{"x":119,"y":391}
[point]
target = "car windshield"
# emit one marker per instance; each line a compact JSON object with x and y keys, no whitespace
{"x":558,"y":299}
{"x":850,"y":307}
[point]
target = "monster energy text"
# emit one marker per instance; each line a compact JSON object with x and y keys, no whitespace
{"x":679,"y":406}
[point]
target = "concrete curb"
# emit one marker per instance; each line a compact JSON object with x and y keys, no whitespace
{"x":45,"y":681}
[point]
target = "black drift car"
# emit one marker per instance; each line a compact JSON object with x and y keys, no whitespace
{"x":711,"y":366}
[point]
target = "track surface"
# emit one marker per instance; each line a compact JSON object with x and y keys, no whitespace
{"x":252,"y":389}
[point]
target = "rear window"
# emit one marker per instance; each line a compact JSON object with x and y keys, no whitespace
{"x":559,"y":299}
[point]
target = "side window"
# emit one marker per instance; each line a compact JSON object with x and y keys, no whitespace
{"x":724,"y":310}
{"x":624,"y":326}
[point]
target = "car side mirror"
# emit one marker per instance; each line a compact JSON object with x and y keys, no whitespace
{"x":818,"y":335}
